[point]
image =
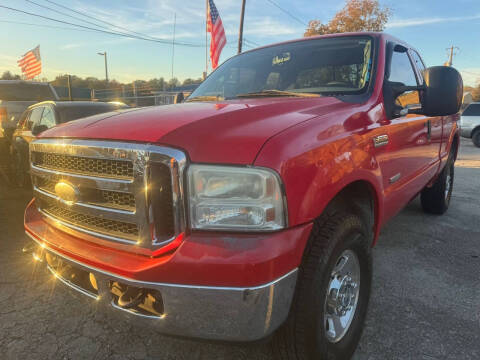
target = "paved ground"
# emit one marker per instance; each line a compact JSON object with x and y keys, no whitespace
{"x":425,"y":302}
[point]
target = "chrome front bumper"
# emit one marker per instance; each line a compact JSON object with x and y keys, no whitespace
{"x":213,"y":313}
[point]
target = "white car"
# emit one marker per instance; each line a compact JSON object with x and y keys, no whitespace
{"x":470,"y":123}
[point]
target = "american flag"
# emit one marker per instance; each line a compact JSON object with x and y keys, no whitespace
{"x":31,"y":63}
{"x":215,"y":27}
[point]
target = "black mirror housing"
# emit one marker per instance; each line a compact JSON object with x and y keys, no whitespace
{"x":38,"y":129}
{"x":443,"y":91}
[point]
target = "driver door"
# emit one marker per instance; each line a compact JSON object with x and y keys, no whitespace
{"x":407,"y":152}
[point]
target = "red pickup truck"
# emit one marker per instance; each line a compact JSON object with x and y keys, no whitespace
{"x":252,"y":207}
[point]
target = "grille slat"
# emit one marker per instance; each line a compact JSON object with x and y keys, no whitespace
{"x":88,"y":222}
{"x":104,"y":198}
{"x":84,"y":165}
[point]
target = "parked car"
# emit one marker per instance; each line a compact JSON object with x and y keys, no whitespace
{"x":17,"y":95}
{"x":470,"y":123}
{"x":43,"y":116}
{"x":252,"y":206}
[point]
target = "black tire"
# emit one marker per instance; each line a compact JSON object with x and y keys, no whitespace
{"x":436,"y":199}
{"x":304,"y":335}
{"x":476,"y":138}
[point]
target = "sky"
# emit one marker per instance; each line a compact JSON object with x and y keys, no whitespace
{"x":429,"y":25}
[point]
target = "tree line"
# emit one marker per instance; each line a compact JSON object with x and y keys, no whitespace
{"x":99,"y":84}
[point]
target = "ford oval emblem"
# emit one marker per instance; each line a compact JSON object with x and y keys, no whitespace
{"x":66,"y":192}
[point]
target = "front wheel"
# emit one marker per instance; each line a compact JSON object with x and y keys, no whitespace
{"x":436,"y":199}
{"x":333,"y":289}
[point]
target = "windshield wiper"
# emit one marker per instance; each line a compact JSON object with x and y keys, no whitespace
{"x":272,"y":93}
{"x":205,"y":98}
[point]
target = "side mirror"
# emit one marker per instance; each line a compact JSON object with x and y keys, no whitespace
{"x":443,"y":91}
{"x":38,"y":129}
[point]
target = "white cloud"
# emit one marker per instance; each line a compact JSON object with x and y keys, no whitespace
{"x":429,"y":20}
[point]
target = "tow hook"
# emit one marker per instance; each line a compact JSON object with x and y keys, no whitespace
{"x":131,"y":297}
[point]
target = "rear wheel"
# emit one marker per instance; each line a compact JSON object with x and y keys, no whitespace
{"x":476,"y":138}
{"x":333,"y":289}
{"x":436,"y":199}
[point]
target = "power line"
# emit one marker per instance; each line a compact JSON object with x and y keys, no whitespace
{"x":43,"y":25}
{"x":287,"y":12}
{"x":96,"y":19}
{"x":161,"y":41}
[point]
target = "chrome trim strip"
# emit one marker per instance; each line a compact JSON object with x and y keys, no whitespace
{"x":41,"y":171}
{"x":72,"y":285}
{"x":100,"y":210}
{"x":86,"y":231}
{"x":147,"y":283}
{"x":395,"y":178}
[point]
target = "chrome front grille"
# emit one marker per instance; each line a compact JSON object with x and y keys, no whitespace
{"x":84,"y":165}
{"x":130,"y":193}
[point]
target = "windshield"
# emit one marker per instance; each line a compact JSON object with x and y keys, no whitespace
{"x":25,"y":92}
{"x":321,"y":66}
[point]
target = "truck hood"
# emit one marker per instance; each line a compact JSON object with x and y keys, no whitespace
{"x":227,"y":132}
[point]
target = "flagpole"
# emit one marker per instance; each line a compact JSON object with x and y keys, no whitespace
{"x":206,"y":39}
{"x":173,"y":41}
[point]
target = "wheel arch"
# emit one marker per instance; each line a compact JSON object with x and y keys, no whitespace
{"x":359,"y":197}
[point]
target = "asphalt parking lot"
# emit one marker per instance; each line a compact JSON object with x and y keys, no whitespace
{"x":425,"y":301}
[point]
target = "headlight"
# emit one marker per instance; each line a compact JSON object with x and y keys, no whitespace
{"x":234,"y":198}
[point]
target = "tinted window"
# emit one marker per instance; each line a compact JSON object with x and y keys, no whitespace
{"x":34,"y":118}
{"x":401,"y":69}
{"x":419,"y":64}
{"x":25,"y":92}
{"x":341,"y":65}
{"x":48,"y":117}
{"x":472,"y":110}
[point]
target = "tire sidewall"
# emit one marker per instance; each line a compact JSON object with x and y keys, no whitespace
{"x":476,"y":138}
{"x":352,"y":239}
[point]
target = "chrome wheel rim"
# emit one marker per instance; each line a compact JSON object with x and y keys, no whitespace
{"x":342,"y":296}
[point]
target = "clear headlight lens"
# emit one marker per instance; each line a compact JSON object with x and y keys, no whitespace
{"x":234,"y":198}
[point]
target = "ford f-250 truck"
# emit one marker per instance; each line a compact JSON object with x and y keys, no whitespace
{"x":250,"y":208}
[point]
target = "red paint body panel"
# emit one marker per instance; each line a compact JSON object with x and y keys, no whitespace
{"x":231,"y":132}
{"x":317,"y":145}
{"x":209,"y":259}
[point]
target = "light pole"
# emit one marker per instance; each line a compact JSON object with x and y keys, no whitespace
{"x":104,"y":54}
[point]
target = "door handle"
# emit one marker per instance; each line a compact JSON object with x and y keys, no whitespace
{"x":428,"y":124}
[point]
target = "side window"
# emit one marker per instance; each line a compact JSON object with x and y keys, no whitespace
{"x":34,"y":118}
{"x":419,"y":64}
{"x":472,"y":110}
{"x":48,"y":117}
{"x":401,"y":70}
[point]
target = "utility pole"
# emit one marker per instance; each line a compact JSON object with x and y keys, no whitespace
{"x":452,"y":53}
{"x":240,"y":33}
{"x":104,"y":54}
{"x":69,"y":85}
